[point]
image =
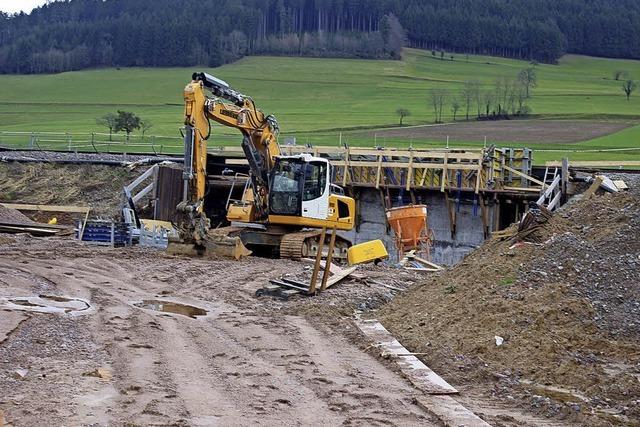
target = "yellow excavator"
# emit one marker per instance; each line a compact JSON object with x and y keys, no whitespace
{"x":287,"y":199}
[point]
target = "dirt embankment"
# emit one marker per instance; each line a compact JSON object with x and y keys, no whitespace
{"x":85,"y":185}
{"x":568,"y":311}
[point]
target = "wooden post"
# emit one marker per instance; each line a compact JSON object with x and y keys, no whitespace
{"x":444,"y":177}
{"x":479,"y":173}
{"x":409,"y":172}
{"x":379,"y":172}
{"x":316,"y":267}
{"x":452,"y":215}
{"x":327,"y":265}
{"x":565,"y":178}
{"x":346,"y":167}
{"x":484,"y":215}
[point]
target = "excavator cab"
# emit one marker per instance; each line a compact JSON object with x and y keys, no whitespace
{"x":301,"y":194}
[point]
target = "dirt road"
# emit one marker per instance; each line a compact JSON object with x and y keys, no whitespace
{"x":245,"y":362}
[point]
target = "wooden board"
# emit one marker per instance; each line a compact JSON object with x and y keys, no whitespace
{"x":46,"y":208}
{"x":595,"y":163}
{"x":411,"y":367}
{"x":451,"y":412}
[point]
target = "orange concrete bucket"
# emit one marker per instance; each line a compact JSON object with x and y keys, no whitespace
{"x":410,"y":225}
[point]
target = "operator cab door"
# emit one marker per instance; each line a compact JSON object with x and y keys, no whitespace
{"x":315,"y":190}
{"x":300,"y":188}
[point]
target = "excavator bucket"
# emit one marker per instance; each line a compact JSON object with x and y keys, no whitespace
{"x":215,"y":244}
{"x":225,"y":246}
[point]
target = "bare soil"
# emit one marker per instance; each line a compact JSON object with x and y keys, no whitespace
{"x":83,"y":185}
{"x":249,"y":361}
{"x":542,"y":131}
{"x":568,"y":311}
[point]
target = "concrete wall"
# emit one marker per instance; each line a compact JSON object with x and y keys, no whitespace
{"x":446,"y":251}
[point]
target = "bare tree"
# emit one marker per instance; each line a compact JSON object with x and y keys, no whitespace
{"x":628,"y":87}
{"x":437,"y":98}
{"x":487,"y":99}
{"x":402,"y":112}
{"x":109,"y":121}
{"x":469,"y":94}
{"x":455,"y":107}
{"x":528,"y":78}
{"x":145,"y":125}
{"x":619,"y":74}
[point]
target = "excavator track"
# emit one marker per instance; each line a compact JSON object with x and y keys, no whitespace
{"x":305,"y":244}
{"x":294,"y":245}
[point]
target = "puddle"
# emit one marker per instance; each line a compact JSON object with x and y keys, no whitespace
{"x":171,"y":307}
{"x":45,"y":304}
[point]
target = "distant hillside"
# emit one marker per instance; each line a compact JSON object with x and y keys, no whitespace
{"x":78,"y":34}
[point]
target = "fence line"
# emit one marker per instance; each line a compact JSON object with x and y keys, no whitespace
{"x":158,"y":144}
{"x":97,"y":142}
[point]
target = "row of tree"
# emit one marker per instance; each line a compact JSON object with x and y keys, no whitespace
{"x":66,"y":35}
{"x":506,"y":98}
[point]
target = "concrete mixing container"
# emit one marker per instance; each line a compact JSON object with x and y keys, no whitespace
{"x":409,"y":224}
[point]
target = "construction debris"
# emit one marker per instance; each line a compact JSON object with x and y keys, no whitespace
{"x":531,"y":223}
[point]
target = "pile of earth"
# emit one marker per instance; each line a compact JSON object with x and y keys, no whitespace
{"x":49,"y":184}
{"x":565,"y":312}
{"x":12,"y":216}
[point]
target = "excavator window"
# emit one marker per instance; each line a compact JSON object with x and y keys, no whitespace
{"x":284,"y":195}
{"x":315,"y":180}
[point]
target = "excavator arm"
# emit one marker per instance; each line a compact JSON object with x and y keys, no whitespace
{"x":259,"y":143}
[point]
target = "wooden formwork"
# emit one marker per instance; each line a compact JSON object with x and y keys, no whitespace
{"x":474,"y":170}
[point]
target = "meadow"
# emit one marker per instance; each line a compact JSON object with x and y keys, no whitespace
{"x":325,"y":101}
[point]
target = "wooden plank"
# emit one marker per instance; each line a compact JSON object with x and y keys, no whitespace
{"x":549,"y":190}
{"x":555,"y":202}
{"x":346,"y":168}
{"x":332,"y":244}
{"x":595,"y":163}
{"x":444,"y":179}
{"x":146,"y":190}
{"x":424,"y":261}
{"x":46,"y":208}
{"x":141,"y":178}
{"x":404,"y":165}
{"x":451,"y":412}
{"x":6,"y":228}
{"x":316,"y":267}
{"x":525,"y":176}
{"x":419,"y":374}
{"x":479,"y":173}
{"x":340,"y":276}
{"x":522,"y":189}
{"x":379,"y":172}
{"x":409,"y":172}
{"x":593,"y":188}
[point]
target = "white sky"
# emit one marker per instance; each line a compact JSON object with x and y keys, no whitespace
{"x":12,"y":6}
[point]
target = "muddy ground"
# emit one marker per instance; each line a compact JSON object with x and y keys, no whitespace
{"x":248,"y":361}
{"x":547,"y":131}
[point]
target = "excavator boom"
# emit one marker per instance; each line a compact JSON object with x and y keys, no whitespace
{"x":287,"y":193}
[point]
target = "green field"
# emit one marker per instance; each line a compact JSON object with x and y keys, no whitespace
{"x":317,"y":99}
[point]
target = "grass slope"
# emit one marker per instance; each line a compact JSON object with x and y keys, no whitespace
{"x":314,"y":99}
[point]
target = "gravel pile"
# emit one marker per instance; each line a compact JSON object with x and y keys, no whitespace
{"x":567,"y":312}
